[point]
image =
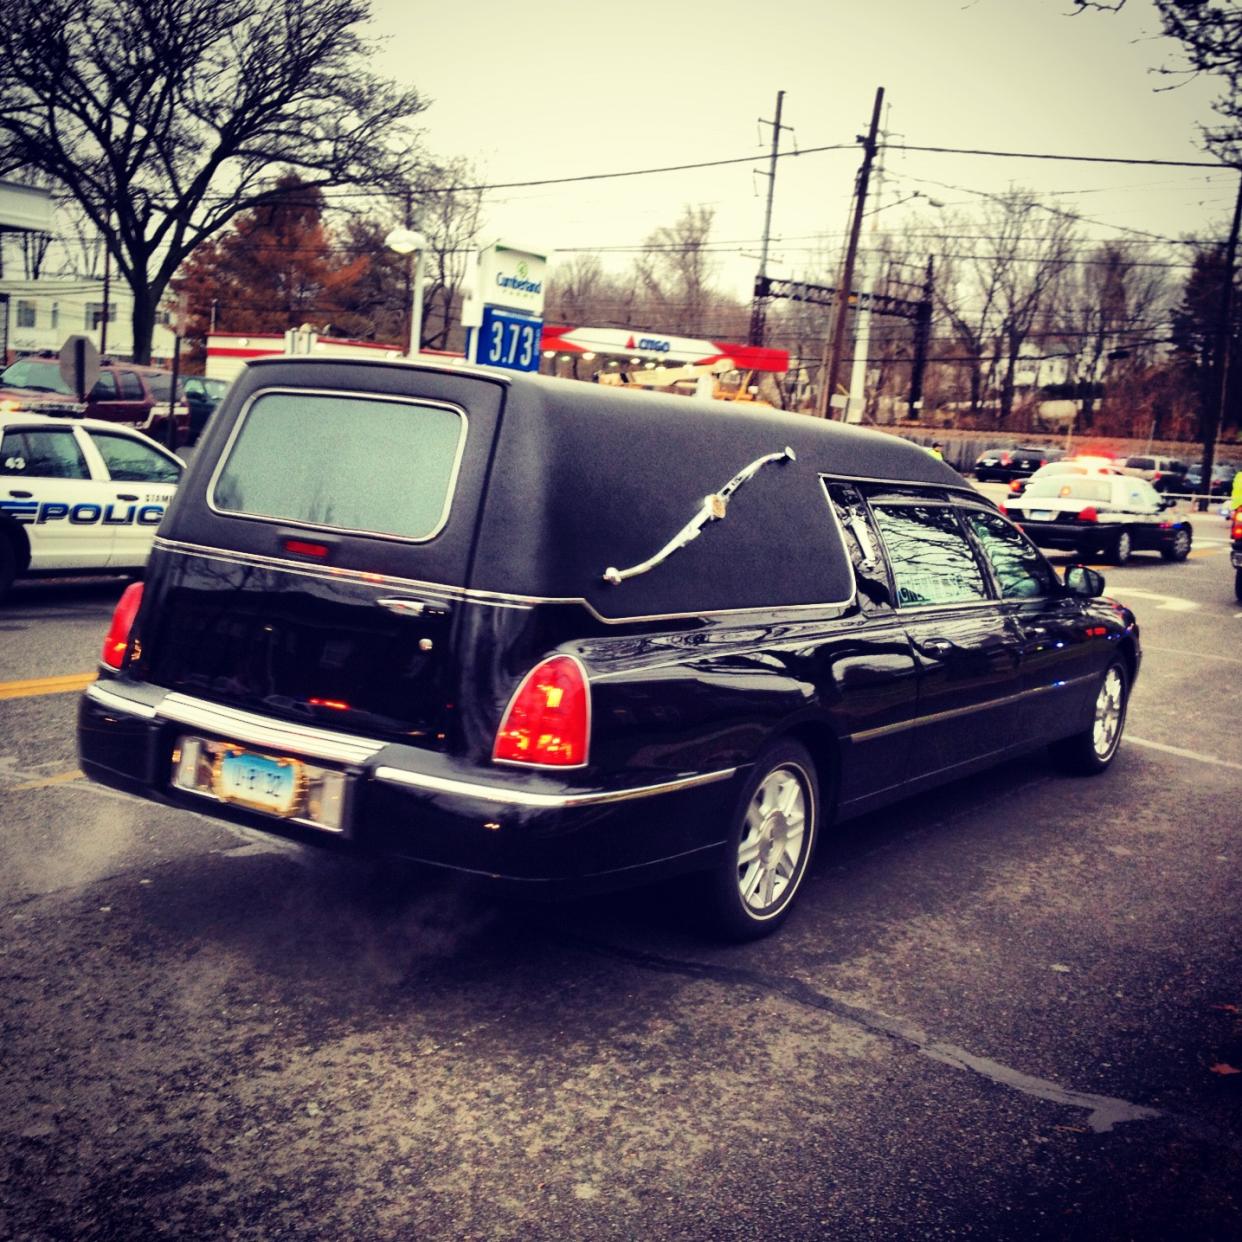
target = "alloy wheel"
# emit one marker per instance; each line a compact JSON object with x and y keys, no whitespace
{"x":1109,"y":714}
{"x":774,"y":839}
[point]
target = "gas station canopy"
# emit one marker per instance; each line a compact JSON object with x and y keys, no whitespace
{"x":649,"y":347}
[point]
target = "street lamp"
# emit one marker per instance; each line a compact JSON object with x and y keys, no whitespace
{"x":407,"y":241}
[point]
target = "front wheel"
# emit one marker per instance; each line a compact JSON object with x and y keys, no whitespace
{"x":769,"y":846}
{"x":1092,"y":750}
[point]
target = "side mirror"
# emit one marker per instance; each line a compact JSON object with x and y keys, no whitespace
{"x":1167,"y":502}
{"x":1079,"y":580}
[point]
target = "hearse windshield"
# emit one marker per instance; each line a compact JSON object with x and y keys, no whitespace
{"x":1072,"y":488}
{"x":337,"y":460}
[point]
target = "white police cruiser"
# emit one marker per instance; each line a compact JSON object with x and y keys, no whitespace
{"x":78,"y":496}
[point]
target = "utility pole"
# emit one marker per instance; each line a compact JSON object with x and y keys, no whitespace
{"x":922,"y":334}
{"x":107,"y":294}
{"x":1224,"y":336}
{"x":846,"y":283}
{"x":759,"y":307}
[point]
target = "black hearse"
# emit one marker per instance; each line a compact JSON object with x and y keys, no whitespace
{"x":578,"y":637}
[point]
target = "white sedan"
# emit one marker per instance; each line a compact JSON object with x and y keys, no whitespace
{"x":78,"y":496}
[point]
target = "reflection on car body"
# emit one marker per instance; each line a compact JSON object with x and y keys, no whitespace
{"x":377,"y":615}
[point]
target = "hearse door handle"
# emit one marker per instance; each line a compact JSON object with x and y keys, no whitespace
{"x":21,"y":495}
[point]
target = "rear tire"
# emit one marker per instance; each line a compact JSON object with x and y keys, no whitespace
{"x":769,"y":846}
{"x":1123,"y":545}
{"x":1179,"y":549}
{"x":1093,"y":750}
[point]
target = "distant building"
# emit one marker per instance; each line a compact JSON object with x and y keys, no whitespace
{"x":41,"y":314}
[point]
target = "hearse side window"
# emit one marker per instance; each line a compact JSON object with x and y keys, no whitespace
{"x":862,"y":542}
{"x":344,"y":461}
{"x":930,"y":555}
{"x":1021,"y":571}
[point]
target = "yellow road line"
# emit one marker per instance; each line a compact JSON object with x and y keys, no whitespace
{"x":45,"y":685}
{"x":62,"y":778}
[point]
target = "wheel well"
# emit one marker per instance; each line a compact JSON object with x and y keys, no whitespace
{"x":822,"y":745}
{"x":11,"y":531}
{"x":1130,"y":657}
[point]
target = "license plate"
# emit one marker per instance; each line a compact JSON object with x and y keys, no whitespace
{"x":302,"y":791}
{"x":264,"y":782}
{"x":1041,"y":515}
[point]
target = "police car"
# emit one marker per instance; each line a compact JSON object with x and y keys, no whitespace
{"x":78,"y":496}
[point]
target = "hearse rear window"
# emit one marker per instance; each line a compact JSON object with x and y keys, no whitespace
{"x":348,"y":462}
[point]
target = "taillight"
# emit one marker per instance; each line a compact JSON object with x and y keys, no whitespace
{"x":1235,"y":532}
{"x":1005,"y":459}
{"x":1003,"y":510}
{"x":1015,"y":485}
{"x":548,"y":721}
{"x":1088,"y":514}
{"x":117,"y":641}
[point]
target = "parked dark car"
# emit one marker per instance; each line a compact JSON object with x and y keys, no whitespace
{"x":120,"y":394}
{"x":1222,"y":479}
{"x":575,"y":638}
{"x":1101,"y":514}
{"x":1165,"y":474}
{"x":1000,"y":465}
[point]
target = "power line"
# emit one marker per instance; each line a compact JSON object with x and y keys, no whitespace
{"x":1050,"y":155}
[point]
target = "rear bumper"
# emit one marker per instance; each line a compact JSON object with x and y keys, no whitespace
{"x":535,"y":830}
{"x":1070,"y":538}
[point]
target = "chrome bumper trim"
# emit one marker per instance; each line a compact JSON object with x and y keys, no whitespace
{"x":117,"y":703}
{"x":280,"y":735}
{"x":521,"y":797}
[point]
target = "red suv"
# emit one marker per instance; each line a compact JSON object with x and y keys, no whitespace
{"x":123,"y":393}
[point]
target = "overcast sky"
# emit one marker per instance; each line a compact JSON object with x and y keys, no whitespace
{"x":554,"y":88}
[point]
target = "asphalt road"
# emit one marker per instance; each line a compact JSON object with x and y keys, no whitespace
{"x":1012,"y":1009}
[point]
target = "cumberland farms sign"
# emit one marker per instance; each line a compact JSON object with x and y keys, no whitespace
{"x":512,"y":278}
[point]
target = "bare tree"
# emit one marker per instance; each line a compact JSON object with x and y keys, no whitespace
{"x":163,"y":120}
{"x":1109,"y":316}
{"x":966,"y":297}
{"x":675,"y":272}
{"x":1210,"y":32}
{"x":995,"y":284}
{"x":449,"y":217}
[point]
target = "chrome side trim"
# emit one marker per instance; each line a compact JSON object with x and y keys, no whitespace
{"x":494,"y":599}
{"x":867,"y":735}
{"x":280,"y":735}
{"x":118,"y":703}
{"x":521,"y":797}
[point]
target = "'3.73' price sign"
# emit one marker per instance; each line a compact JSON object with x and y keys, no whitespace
{"x":509,"y":340}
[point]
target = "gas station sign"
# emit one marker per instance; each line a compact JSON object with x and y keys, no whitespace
{"x":505,"y":313}
{"x":509,"y":340}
